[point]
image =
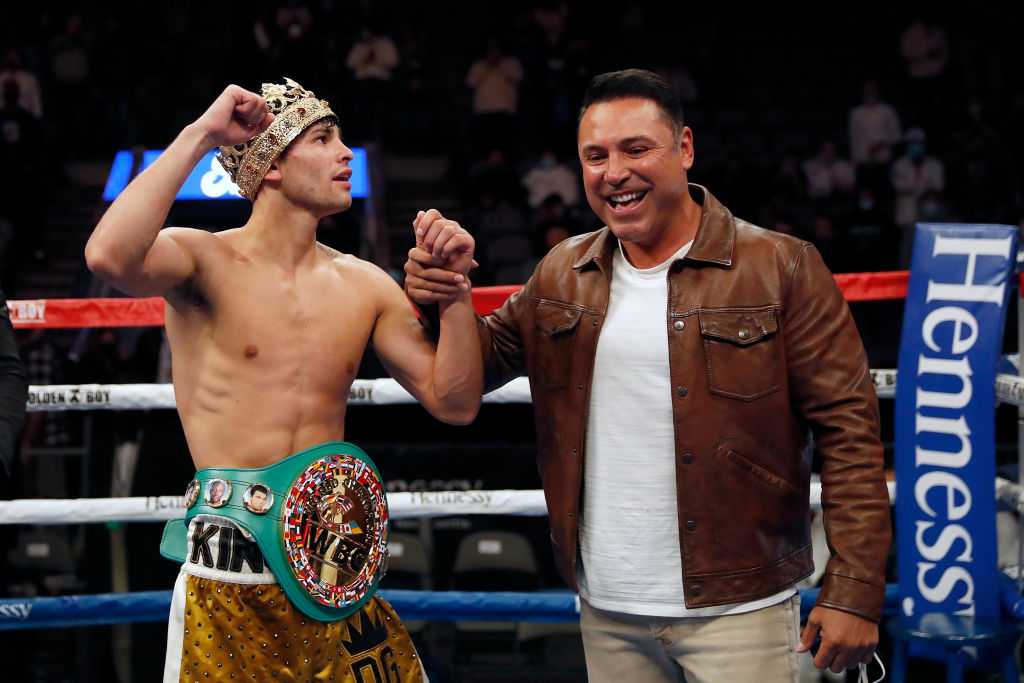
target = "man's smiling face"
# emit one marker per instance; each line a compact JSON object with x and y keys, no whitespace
{"x":634,"y":167}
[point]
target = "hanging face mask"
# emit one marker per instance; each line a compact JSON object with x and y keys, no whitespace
{"x":862,"y":674}
{"x":915,"y":150}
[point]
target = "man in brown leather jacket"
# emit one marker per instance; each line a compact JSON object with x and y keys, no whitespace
{"x":678,"y":361}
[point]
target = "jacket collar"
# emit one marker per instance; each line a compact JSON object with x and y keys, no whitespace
{"x":716,"y":236}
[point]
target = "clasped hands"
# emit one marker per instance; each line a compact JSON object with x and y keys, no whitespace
{"x":438,"y":266}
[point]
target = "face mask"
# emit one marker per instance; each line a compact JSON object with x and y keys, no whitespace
{"x":866,"y":204}
{"x":547,"y":163}
{"x":915,"y":150}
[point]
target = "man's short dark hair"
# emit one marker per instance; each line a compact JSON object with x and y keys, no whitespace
{"x":259,"y":488}
{"x":617,"y":85}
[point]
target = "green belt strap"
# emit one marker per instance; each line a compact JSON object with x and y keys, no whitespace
{"x":269,"y":528}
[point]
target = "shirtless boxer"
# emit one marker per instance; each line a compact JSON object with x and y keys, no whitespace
{"x":267,"y":328}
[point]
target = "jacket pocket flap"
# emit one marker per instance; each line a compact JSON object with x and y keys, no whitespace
{"x":738,"y":327}
{"x":554,"y":319}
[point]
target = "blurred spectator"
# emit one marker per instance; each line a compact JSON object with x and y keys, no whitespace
{"x":788,"y":185}
{"x":29,"y":95}
{"x":373,"y":56}
{"x":912,"y":176}
{"x":789,"y":194}
{"x":550,"y":220}
{"x":551,"y":17}
{"x":925,"y":49}
{"x":21,"y":173}
{"x":736,"y":181}
{"x":550,"y":176}
{"x":413,"y":121}
{"x":872,"y":234}
{"x":494,"y":181}
{"x":293,"y":19}
{"x":293,"y":49}
{"x":828,"y":175}
{"x":829,"y":241}
{"x":683,"y":82}
{"x":979,"y":193}
{"x":974,"y":128}
{"x":371,"y":59}
{"x":72,"y":80}
{"x":932,"y":208}
{"x":494,"y":79}
{"x":874,"y":129}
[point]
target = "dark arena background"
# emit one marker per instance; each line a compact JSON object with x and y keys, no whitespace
{"x":772,"y":92}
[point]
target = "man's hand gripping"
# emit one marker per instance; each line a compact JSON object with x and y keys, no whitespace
{"x":438,"y":266}
{"x":846,"y":639}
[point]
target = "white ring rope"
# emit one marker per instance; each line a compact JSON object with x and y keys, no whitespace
{"x":402,"y":505}
{"x":378,"y":392}
{"x":385,"y":391}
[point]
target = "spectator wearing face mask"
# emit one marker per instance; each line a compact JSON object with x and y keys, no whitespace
{"x":912,"y":175}
{"x":550,"y":176}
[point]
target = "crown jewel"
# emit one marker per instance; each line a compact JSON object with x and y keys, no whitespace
{"x":294,"y":109}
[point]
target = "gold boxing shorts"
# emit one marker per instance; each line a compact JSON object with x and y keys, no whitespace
{"x":231,"y":620}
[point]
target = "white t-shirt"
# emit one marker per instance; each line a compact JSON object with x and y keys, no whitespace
{"x":629,"y":545}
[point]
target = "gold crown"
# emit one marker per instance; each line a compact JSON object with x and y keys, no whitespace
{"x":294,"y":109}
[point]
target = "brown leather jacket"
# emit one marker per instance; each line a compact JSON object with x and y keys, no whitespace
{"x":762,"y":348}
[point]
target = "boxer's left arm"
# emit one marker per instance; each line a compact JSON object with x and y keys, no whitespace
{"x":447,"y":378}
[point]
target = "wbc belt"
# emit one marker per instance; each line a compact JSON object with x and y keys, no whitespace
{"x":320,"y":517}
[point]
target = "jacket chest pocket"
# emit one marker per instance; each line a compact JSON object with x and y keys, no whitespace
{"x":742,"y":353}
{"x":552,"y":356}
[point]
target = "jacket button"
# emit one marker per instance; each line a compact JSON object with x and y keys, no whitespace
{"x":744,"y":334}
{"x":595,"y":323}
{"x":695,"y":590}
{"x":687,"y":458}
{"x":572,"y":514}
{"x":580,"y":387}
{"x":574,"y":450}
{"x":679,"y":324}
{"x":691,"y":525}
{"x":681,"y":391}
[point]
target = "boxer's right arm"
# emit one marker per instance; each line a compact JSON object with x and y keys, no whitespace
{"x":127,"y":248}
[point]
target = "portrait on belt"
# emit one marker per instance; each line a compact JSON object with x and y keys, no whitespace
{"x":258,"y":498}
{"x":217,"y":493}
{"x":191,"y":493}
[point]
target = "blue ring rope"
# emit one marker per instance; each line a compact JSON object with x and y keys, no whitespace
{"x":544,"y":606}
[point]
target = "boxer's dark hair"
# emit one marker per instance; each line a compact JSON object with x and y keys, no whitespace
{"x":617,"y":85}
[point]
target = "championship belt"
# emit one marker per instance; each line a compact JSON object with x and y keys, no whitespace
{"x":320,"y":518}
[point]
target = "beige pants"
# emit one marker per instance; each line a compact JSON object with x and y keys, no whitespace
{"x":756,"y":646}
